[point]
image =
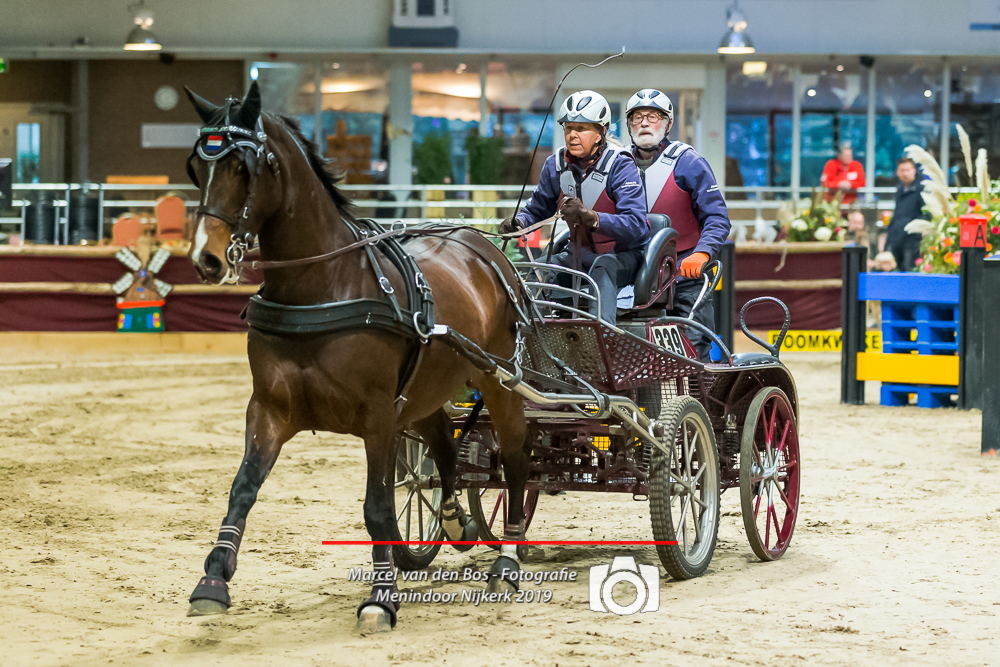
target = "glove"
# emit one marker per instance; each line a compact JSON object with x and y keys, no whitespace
{"x":510,"y":225}
{"x":576,"y":214}
{"x":691,"y":266}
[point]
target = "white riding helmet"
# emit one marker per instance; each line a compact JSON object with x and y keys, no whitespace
{"x":585,"y":106}
{"x":650,"y":98}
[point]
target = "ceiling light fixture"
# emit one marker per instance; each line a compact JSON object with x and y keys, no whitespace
{"x":736,"y":41}
{"x":141,"y":38}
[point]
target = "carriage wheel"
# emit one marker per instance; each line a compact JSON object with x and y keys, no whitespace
{"x":417,"y":505}
{"x":684,"y":489}
{"x":769,"y":473}
{"x":489,"y":508}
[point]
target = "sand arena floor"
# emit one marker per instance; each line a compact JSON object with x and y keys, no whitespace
{"x":115,"y":471}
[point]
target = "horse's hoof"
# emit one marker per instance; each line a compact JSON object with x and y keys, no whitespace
{"x":206,"y":608}
{"x":501,"y":586}
{"x":373,"y":619}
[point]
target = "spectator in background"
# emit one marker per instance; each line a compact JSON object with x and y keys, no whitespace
{"x":909,"y":202}
{"x":843,"y":174}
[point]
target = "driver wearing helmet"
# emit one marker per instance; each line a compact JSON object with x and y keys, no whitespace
{"x":597,"y":188}
{"x":679,"y":183}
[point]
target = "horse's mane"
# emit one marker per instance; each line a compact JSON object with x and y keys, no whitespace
{"x":320,"y":165}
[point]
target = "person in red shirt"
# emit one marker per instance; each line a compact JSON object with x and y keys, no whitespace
{"x":843,"y":174}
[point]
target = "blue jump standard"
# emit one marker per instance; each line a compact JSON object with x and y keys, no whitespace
{"x":926,"y":305}
{"x":928,"y":396}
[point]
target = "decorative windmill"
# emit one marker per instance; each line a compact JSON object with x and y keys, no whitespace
{"x":140,"y":293}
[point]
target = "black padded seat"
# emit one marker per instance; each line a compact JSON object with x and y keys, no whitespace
{"x":663,"y":244}
{"x":754,"y":359}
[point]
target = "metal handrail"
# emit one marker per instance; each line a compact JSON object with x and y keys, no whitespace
{"x":464,"y":209}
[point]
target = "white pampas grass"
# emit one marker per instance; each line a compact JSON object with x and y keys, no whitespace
{"x":982,"y":178}
{"x":963,"y":138}
{"x":927,"y":161}
{"x":918,"y":226}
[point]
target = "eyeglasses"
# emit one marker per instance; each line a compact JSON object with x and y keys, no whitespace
{"x":650,"y":116}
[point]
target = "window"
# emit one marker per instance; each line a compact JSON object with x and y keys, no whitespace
{"x":28,"y":151}
{"x":425,"y":7}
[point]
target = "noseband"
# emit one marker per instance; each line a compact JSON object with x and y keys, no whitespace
{"x":213,"y":144}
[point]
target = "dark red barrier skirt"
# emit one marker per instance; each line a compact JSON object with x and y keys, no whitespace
{"x":809,"y":308}
{"x":97,"y":312}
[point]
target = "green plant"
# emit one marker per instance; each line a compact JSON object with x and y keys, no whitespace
{"x":432,"y":158}
{"x":485,"y":159}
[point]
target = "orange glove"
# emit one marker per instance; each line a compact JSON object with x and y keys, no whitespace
{"x":691,"y":266}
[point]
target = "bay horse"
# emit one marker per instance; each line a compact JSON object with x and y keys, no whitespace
{"x":259,"y":176}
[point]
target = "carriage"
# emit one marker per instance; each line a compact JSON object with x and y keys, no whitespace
{"x":345,"y":336}
{"x":626,"y":409}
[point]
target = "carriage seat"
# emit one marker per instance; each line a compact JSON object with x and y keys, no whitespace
{"x":753,"y":359}
{"x":662,"y":245}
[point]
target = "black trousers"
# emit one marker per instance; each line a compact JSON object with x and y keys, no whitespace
{"x":684,"y":297}
{"x":906,"y":252}
{"x":611,"y":271}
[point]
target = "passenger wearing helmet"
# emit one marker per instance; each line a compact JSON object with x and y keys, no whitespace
{"x":597,"y":188}
{"x":679,"y":183}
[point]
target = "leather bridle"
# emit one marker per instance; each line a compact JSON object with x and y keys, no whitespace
{"x":251,"y":147}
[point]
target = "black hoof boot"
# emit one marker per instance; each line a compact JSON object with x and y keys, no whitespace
{"x":453,"y":520}
{"x":210,"y":596}
{"x":503,"y":576}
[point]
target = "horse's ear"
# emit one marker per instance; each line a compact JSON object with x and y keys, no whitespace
{"x":206,"y":110}
{"x":250,"y":109}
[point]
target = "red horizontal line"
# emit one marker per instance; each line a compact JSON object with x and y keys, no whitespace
{"x":496,"y":542}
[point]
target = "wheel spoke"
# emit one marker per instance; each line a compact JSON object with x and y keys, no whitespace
{"x":430,"y":508}
{"x":687,"y":454}
{"x":696,"y":517}
{"x":770,"y":430}
{"x":697,"y":477}
{"x":406,"y":462}
{"x":777,"y":527}
{"x":681,"y":521}
{"x":409,"y":513}
{"x":767,"y":525}
{"x":788,"y":467}
{"x":784,"y":436}
{"x":406,"y":504}
{"x":420,"y":516}
{"x":789,"y":508}
{"x":496,"y":508}
{"x":756,"y":508}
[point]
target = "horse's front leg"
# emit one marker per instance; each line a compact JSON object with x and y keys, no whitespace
{"x":265,"y":434}
{"x":378,"y":612}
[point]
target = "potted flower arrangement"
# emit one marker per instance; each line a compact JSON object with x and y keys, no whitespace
{"x":813,"y":219}
{"x":940,"y":252}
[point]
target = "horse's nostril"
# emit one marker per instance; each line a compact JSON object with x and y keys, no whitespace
{"x":210,"y":264}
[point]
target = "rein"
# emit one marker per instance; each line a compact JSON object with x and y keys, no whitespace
{"x":375,"y":238}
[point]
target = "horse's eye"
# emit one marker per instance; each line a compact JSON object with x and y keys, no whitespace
{"x":241,"y":168}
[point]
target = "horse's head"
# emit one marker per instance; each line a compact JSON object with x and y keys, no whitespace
{"x":237,"y":190}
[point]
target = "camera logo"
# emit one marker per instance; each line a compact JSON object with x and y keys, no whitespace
{"x":645,"y":578}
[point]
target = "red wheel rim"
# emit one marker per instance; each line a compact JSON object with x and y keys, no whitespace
{"x":775,"y":475}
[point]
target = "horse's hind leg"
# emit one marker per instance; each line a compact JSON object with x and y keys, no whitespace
{"x":507,"y":416}
{"x":435,"y":430}
{"x":265,"y":435}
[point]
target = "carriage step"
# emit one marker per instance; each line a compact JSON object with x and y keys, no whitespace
{"x":926,"y":396}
